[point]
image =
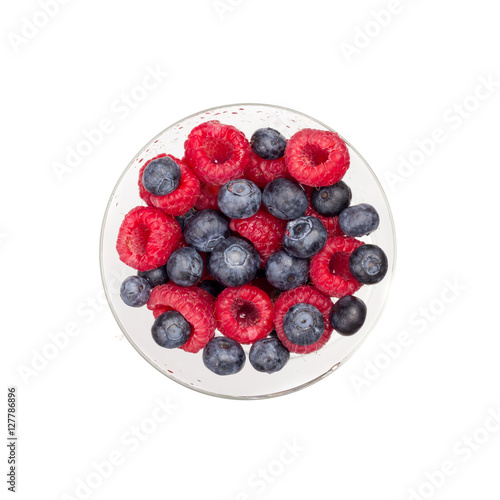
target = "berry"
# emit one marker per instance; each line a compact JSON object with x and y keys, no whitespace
{"x":206,"y":229}
{"x":316,"y":157}
{"x":196,"y":305}
{"x":305,"y":295}
{"x":146,"y":238}
{"x":239,"y":199}
{"x":135,"y":291}
{"x":330,"y":268}
{"x":285,"y":271}
{"x":263,"y":230}
{"x":303,"y":324}
{"x":368,"y":264}
{"x":208,"y":197}
{"x":182,"y":219}
{"x":161,"y":176}
{"x":331,"y":223}
{"x":268,"y":355}
{"x":285,"y":199}
{"x":234,"y":262}
{"x":171,"y":330}
{"x":217,"y":152}
{"x":304,"y":237}
{"x":348,"y":315}
{"x":359,"y":220}
{"x":156,"y":276}
{"x":185,"y":266}
{"x":223,"y":356}
{"x":181,"y":199}
{"x":268,"y":143}
{"x":262,"y":172}
{"x":244,"y":314}
{"x":329,"y":201}
{"x":212,"y":287}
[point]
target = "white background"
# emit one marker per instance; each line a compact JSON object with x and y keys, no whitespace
{"x":379,"y":440}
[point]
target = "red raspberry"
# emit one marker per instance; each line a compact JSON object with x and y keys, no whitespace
{"x":179,"y":201}
{"x":262,"y":172}
{"x":195,"y":304}
{"x":264,"y":230}
{"x":217,"y":152}
{"x":147,"y":237}
{"x":331,"y":223}
{"x":330,"y":268}
{"x":302,"y":295}
{"x":208,"y":197}
{"x":244,"y":314}
{"x":316,"y":157}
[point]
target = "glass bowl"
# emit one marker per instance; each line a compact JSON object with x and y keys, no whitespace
{"x":188,"y":369}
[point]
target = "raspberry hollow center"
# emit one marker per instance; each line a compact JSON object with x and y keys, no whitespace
{"x":218,"y":150}
{"x":314,"y":154}
{"x":339,"y":265}
{"x":138,"y":240}
{"x":245,"y":313}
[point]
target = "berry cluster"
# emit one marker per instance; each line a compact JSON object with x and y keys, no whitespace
{"x":253,"y":239}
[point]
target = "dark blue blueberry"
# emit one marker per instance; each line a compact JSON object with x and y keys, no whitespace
{"x":212,"y":287}
{"x":268,"y":143}
{"x":368,"y":264}
{"x":239,"y":199}
{"x":171,"y":330}
{"x":285,"y":272}
{"x":156,"y":276}
{"x":234,"y":262}
{"x":268,"y":355}
{"x":285,"y":199}
{"x":224,"y":356}
{"x":329,"y":201}
{"x":206,"y":229}
{"x":135,"y":291}
{"x":304,"y":237}
{"x":182,"y":219}
{"x":303,"y":324}
{"x":185,"y":266}
{"x":359,"y":220}
{"x":161,"y":176}
{"x":348,"y":315}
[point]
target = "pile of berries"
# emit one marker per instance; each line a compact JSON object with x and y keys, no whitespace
{"x":253,"y":239}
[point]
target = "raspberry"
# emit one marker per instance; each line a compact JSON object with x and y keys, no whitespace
{"x":195,"y":304}
{"x":217,"y":152}
{"x":316,"y":157}
{"x":262,"y":172}
{"x":331,"y":223}
{"x":180,"y":200}
{"x":244,"y":314}
{"x":147,"y":237}
{"x":264,"y":230}
{"x":208,"y":197}
{"x":330,"y":268}
{"x":307,"y":295}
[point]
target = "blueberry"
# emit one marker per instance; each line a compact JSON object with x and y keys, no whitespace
{"x":359,"y":220}
{"x":331,"y":200}
{"x":303,"y":324}
{"x":234,"y":262}
{"x":224,"y":356}
{"x":161,"y":176}
{"x":185,"y":266}
{"x":348,"y":315}
{"x":268,"y":143}
{"x":206,"y":229}
{"x":135,"y":291}
{"x":285,"y":272}
{"x":368,"y":264}
{"x":182,"y":219}
{"x":156,"y":276}
{"x":212,"y":287}
{"x":285,"y":199}
{"x":304,"y":237}
{"x":171,"y":330}
{"x":239,"y":199}
{"x":268,"y":355}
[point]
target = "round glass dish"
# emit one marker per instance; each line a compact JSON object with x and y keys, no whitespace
{"x":188,"y":369}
